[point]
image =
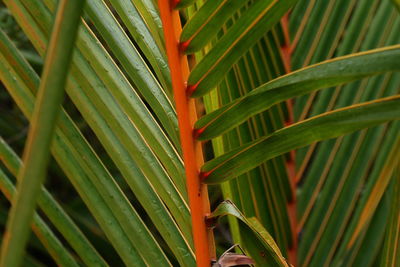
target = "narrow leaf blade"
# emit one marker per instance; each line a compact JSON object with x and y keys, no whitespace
{"x":325,"y":126}
{"x":323,"y":75}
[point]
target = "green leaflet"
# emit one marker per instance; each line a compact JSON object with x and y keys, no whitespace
{"x":397,"y":4}
{"x":206,"y":23}
{"x":257,"y":240}
{"x":127,"y":98}
{"x":325,"y":126}
{"x":146,"y":192}
{"x":134,"y":64}
{"x":334,"y":172}
{"x":323,"y":75}
{"x":182,"y":3}
{"x":43,"y":232}
{"x":17,"y":85}
{"x":391,"y":245}
{"x":143,"y":23}
{"x":41,"y":131}
{"x":116,"y":131}
{"x":376,"y":194}
{"x":64,"y":224}
{"x":258,"y":19}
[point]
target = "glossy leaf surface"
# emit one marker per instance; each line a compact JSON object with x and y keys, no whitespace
{"x":329,"y":125}
{"x":323,"y":75}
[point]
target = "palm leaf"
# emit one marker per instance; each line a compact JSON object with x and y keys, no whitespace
{"x":263,"y":248}
{"x":255,"y":21}
{"x":54,"y":212}
{"x":329,"y":125}
{"x":73,"y":167}
{"x":326,"y":203}
{"x":54,"y":246}
{"x":36,"y":153}
{"x":391,"y":243}
{"x":329,"y":167}
{"x":323,"y":75}
{"x":144,"y":193}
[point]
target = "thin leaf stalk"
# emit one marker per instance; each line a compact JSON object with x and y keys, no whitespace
{"x":286,"y":50}
{"x":37,"y":150}
{"x":192,"y":149}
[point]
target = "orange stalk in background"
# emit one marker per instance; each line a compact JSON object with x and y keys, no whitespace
{"x":286,"y":51}
{"x":192,"y":149}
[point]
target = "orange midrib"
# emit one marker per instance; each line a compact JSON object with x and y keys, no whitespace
{"x":192,"y":149}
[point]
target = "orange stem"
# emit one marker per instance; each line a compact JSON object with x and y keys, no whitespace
{"x":290,"y":164}
{"x":192,"y":149}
